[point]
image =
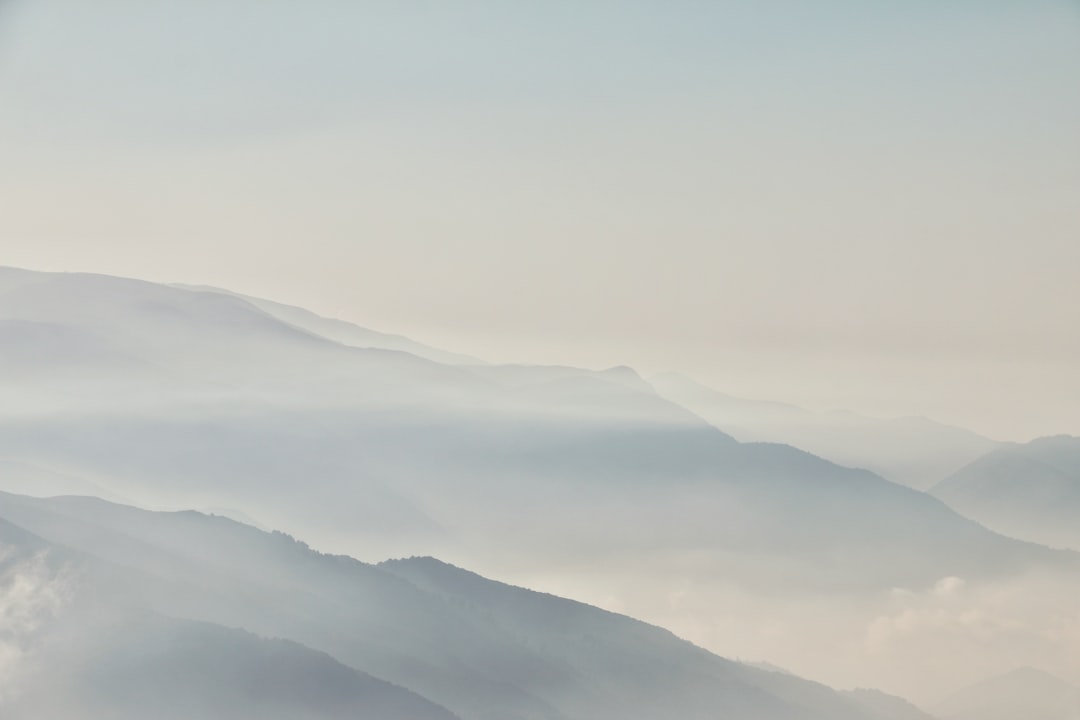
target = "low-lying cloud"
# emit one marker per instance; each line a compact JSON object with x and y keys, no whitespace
{"x":31,"y":593}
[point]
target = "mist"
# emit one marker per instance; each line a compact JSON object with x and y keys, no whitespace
{"x":596,"y":486}
{"x":880,"y":197}
{"x":546,"y":362}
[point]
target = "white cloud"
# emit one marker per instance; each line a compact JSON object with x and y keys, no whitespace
{"x":31,"y":592}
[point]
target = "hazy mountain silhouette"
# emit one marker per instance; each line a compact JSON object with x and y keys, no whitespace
{"x":912,"y":451}
{"x":152,"y":667}
{"x":1025,"y":693}
{"x":587,"y":482}
{"x":1029,"y":491}
{"x":887,"y":707}
{"x":481,"y":648}
{"x":83,"y":647}
{"x":387,"y":451}
{"x":344,"y":332}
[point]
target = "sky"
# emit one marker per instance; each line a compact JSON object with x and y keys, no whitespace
{"x":844,"y":204}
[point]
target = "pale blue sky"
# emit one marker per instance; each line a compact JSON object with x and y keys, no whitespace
{"x":861,"y":204}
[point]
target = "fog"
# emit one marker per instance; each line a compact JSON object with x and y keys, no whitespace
{"x":867,"y":207}
{"x":920,"y":643}
{"x":481,"y":648}
{"x":589,"y":485}
{"x":30,"y":596}
{"x":539,"y":361}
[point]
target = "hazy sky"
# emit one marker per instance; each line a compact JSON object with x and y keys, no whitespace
{"x":860,"y":204}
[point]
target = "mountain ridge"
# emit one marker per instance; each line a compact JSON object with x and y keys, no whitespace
{"x":622,"y":647}
{"x":1030,"y":490}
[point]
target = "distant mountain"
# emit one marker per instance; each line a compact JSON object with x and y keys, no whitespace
{"x":1025,"y":693}
{"x":589,"y":482}
{"x":887,"y":707}
{"x":71,"y":645}
{"x":80,"y":328}
{"x":912,"y":451}
{"x":481,"y":648}
{"x":153,"y":667}
{"x":343,"y":332}
{"x":388,"y":452}
{"x":1029,"y":491}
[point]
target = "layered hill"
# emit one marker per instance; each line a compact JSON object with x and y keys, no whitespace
{"x":588,"y":483}
{"x":344,"y":332}
{"x":152,"y":593}
{"x":1029,"y":491}
{"x":912,"y":451}
{"x":219,"y":403}
{"x":1026,"y":693}
{"x":77,"y":640}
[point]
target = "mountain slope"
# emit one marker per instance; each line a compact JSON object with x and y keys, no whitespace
{"x":912,"y":451}
{"x":149,"y":666}
{"x":530,"y":615}
{"x":73,"y":644}
{"x":484,"y":649}
{"x":888,"y":707}
{"x":1029,"y":491}
{"x":589,"y":483}
{"x":1025,"y":693}
{"x":239,"y":409}
{"x":342,"y":331}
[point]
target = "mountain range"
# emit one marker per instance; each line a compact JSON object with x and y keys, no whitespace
{"x":912,"y":451}
{"x":1025,"y":692}
{"x":599,"y":485}
{"x":152,"y":602}
{"x":209,"y":400}
{"x":1029,"y":491}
